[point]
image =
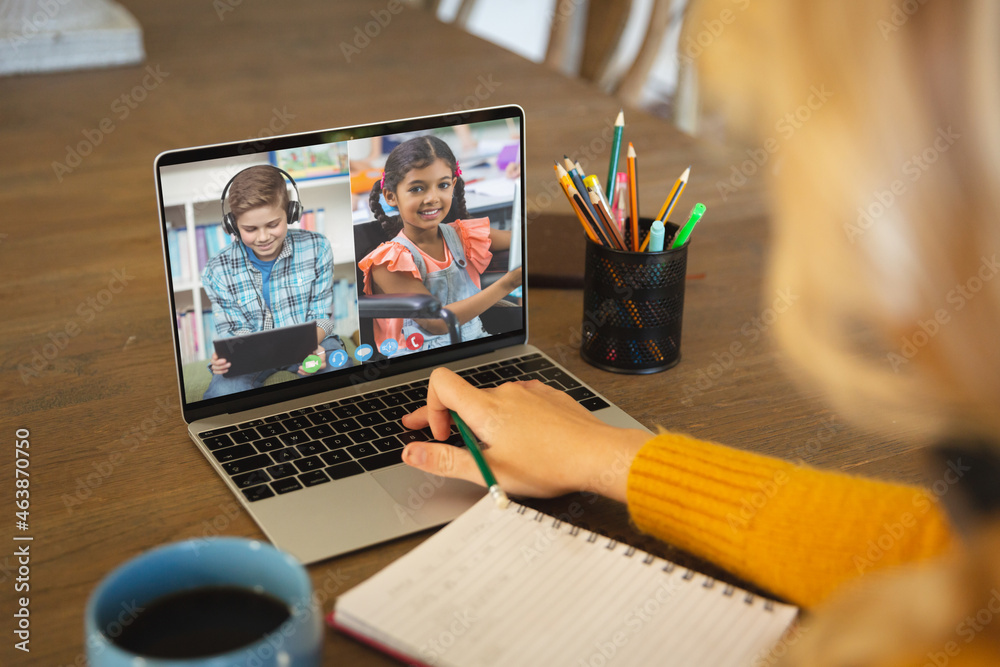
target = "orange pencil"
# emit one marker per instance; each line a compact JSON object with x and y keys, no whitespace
{"x":633,"y":198}
{"x":575,"y":201}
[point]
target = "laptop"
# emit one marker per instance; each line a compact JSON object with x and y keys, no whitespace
{"x":315,"y":458}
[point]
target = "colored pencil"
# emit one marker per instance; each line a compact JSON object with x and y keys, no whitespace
{"x":675,"y":194}
{"x":576,"y":201}
{"x":633,"y":198}
{"x":604,"y":217}
{"x":616,"y":148}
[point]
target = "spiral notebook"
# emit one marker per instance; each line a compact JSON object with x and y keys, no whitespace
{"x":518,"y":587}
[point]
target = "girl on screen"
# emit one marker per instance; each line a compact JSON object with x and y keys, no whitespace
{"x":431,"y":246}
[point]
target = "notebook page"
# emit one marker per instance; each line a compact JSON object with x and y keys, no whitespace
{"x":516,"y":587}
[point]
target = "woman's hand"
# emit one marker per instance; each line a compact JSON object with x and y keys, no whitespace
{"x":538,"y":440}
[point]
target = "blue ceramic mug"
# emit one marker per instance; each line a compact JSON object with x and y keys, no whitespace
{"x":245,"y":567}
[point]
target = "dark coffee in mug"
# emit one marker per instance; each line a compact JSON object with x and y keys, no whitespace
{"x":201,"y":622}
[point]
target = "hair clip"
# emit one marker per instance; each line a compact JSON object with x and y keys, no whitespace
{"x":381,"y":184}
{"x":458,"y":170}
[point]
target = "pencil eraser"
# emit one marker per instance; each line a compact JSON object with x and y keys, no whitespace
{"x":499,"y":497}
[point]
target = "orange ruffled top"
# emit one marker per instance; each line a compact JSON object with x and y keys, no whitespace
{"x":475,"y":237}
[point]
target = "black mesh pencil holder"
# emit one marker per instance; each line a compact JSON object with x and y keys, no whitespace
{"x":633,"y":304}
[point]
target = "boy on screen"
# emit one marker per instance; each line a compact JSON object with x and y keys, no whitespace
{"x":270,"y":277}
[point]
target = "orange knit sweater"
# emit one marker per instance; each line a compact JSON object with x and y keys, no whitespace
{"x":793,"y":530}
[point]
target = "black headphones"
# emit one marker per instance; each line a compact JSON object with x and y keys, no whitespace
{"x":294,"y":210}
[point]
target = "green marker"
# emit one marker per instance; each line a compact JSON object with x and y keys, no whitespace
{"x":685,"y":232}
{"x":499,"y":497}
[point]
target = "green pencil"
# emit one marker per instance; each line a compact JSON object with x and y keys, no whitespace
{"x":499,"y":497}
{"x":616,"y":148}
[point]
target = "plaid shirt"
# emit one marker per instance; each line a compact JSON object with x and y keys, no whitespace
{"x":301,"y":287}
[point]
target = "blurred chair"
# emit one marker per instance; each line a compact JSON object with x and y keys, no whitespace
{"x":585,"y":37}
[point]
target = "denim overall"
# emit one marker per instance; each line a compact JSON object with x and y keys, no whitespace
{"x":449,"y":285}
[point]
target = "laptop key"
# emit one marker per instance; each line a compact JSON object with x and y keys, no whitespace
{"x":363,"y":435}
{"x":294,"y":438}
{"x":372,"y":405}
{"x":322,"y":417}
{"x":389,"y":428}
{"x":252,"y":423}
{"x":371,"y":419}
{"x":381,"y":460}
{"x":507,"y":372}
{"x":217,"y":431}
{"x":417,"y":394}
{"x":337,"y":441}
{"x":344,"y":470}
{"x":251,"y":478}
{"x":595,"y":403}
{"x":282,"y":470}
{"x":245,"y":435}
{"x":397,"y":398}
{"x":286,"y":485}
{"x":394,"y":413}
{"x":313,"y":477}
{"x":256,"y":493}
{"x":486,"y":376}
{"x":311,"y":448}
{"x":407,"y":437}
{"x":321,"y":431}
{"x":268,"y":444}
{"x":309,"y":463}
{"x":533,"y":363}
{"x":232,"y":453}
{"x":388,"y":444}
{"x":345,"y":411}
{"x":270,"y":429}
{"x":283,"y":455}
{"x":296,"y":423}
{"x":218,"y":441}
{"x":344,"y":425}
{"x":247,"y":464}
{"x":580,"y":394}
{"x":335,"y":457}
{"x":366,"y":449}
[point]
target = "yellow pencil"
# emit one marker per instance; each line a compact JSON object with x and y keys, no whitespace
{"x":674,"y":195}
{"x":574,"y":200}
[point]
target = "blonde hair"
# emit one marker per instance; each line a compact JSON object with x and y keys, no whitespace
{"x":886,"y":223}
{"x":886,"y":200}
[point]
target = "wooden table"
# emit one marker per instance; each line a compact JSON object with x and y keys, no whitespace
{"x":87,"y":366}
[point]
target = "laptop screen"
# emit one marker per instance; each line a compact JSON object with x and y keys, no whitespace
{"x":400,"y":243}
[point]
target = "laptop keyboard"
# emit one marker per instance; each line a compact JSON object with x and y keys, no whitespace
{"x":314,"y":445}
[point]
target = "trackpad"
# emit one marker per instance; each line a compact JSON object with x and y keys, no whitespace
{"x":428,"y":499}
